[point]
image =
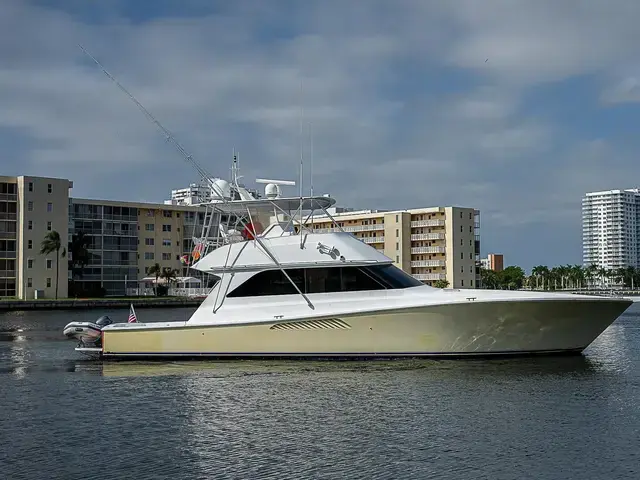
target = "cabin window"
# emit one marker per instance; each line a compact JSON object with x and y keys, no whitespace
{"x":325,"y":280}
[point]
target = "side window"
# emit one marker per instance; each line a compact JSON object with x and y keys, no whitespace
{"x":271,"y":282}
{"x":355,"y":279}
{"x":320,"y":280}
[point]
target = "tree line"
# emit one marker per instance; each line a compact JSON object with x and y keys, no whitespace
{"x":561,"y":277}
{"x":556,"y":278}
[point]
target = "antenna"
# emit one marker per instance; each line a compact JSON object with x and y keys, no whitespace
{"x":301,"y":158}
{"x":311,"y":141}
{"x":168,"y":135}
{"x":311,"y":174}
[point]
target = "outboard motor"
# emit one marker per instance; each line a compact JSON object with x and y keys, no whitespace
{"x":103,"y":321}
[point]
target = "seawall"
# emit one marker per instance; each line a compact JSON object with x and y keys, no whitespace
{"x":78,"y":303}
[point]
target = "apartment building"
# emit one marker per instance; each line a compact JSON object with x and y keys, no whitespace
{"x":127,"y":238}
{"x":198,"y":193}
{"x":30,"y":208}
{"x":494,"y":261}
{"x":432,"y":244}
{"x":611,"y":228}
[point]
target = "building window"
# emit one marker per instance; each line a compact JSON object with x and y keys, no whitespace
{"x":29,"y":244}
{"x":470,"y":228}
{"x":461,"y":241}
{"x":30,"y":225}
{"x":470,"y":255}
{"x":462,"y":283}
{"x":49,"y":226}
{"x":472,"y":283}
{"x":149,"y":227}
{"x":149,"y":256}
{"x":397,"y":259}
{"x":461,"y":228}
{"x":461,"y":255}
{"x":49,"y":207}
{"x":460,"y":214}
{"x":166,"y":242}
{"x":30,"y":206}
{"x":49,"y":188}
{"x":48,"y":282}
{"x":397,"y":233}
{"x":396,"y":218}
{"x":49,"y":264}
{"x":149,"y":241}
{"x":166,"y":256}
{"x":462,"y":269}
{"x":166,"y":228}
{"x":31,"y":186}
{"x":177,"y":214}
{"x":29,"y":282}
{"x":30,"y":263}
{"x":166,"y":213}
{"x":397,"y":246}
{"x":470,"y":216}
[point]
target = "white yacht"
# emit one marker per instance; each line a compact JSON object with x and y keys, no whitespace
{"x":285,"y":291}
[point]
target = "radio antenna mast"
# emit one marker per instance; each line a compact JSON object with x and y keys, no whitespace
{"x":168,"y":135}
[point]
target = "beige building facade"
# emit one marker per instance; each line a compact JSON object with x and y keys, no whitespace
{"x":436,"y":244}
{"x":127,"y":239}
{"x":30,"y":208}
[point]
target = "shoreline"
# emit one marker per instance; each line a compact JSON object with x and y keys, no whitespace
{"x":95,"y":303}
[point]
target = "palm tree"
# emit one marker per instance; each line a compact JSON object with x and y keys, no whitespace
{"x":53,"y":243}
{"x":591,"y":272}
{"x":169,"y":275}
{"x":577,"y":275}
{"x":78,"y":248}
{"x":539,"y":272}
{"x":157,"y":271}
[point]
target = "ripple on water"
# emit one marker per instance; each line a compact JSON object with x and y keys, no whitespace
{"x":545,"y":418}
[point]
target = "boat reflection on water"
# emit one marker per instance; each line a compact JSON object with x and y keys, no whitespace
{"x":480,"y":368}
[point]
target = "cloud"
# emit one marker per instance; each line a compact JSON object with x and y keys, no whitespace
{"x":626,"y":90}
{"x":409,"y":104}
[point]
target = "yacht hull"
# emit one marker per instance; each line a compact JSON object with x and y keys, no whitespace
{"x":458,"y":329}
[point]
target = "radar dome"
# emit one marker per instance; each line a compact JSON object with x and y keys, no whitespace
{"x":223,"y":186}
{"x":272,"y":190}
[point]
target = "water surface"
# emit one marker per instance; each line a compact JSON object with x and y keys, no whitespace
{"x":62,"y":416}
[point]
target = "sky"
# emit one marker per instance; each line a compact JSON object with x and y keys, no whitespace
{"x":513,"y":107}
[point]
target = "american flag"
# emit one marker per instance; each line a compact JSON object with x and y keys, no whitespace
{"x":132,"y":315}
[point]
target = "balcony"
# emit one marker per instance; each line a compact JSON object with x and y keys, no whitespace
{"x":11,"y":254}
{"x":10,"y":197}
{"x":372,"y":239}
{"x":427,"y":223}
{"x":352,"y":228}
{"x":427,"y":236}
{"x":7,"y":274}
{"x":8,"y":216}
{"x":9,"y":235}
{"x":418,"y":250}
{"x":430,"y":276}
{"x":428,"y":263}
